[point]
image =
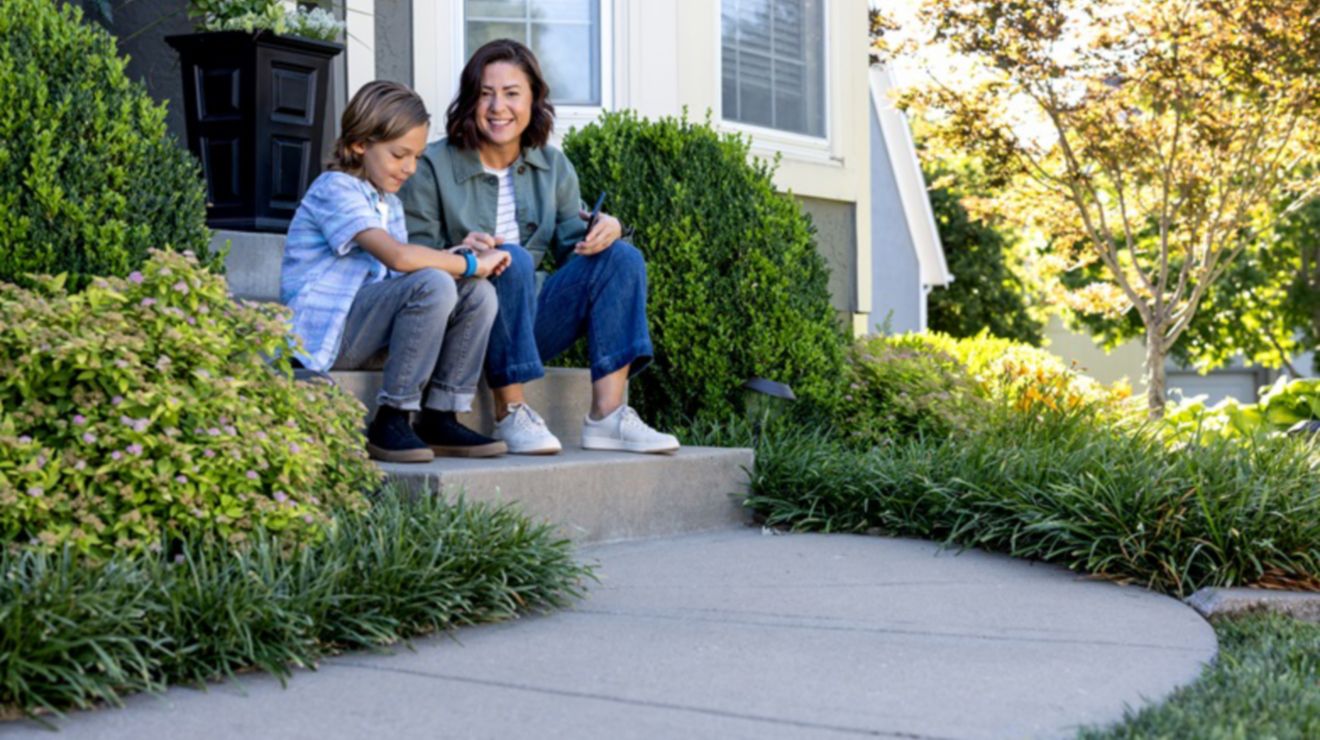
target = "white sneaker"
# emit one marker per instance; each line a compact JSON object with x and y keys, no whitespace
{"x":625,"y":430}
{"x":524,"y":431}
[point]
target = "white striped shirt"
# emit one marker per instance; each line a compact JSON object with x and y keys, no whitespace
{"x":506,"y":225}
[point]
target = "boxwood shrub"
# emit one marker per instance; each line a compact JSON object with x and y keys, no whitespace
{"x":89,"y":179}
{"x":143,"y":411}
{"x":737,"y":287}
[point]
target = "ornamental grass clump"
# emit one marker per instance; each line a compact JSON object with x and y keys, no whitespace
{"x":145,"y":411}
{"x":74,"y":633}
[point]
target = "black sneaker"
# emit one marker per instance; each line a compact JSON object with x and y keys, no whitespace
{"x":391,"y":439}
{"x":448,"y":438}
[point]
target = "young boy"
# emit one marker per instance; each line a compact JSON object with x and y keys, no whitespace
{"x":357,"y":287}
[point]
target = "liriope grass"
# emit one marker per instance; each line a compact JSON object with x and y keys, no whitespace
{"x":1105,"y":500}
{"x":73,"y":634}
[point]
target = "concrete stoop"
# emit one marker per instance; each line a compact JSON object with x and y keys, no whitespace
{"x":591,"y":496}
{"x":600,"y":496}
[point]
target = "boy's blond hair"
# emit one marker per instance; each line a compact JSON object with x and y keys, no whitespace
{"x":379,"y":111}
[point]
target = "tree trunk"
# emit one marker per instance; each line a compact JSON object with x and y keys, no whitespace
{"x":1155,"y":379}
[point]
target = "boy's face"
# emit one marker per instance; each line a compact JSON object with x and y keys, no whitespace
{"x":389,"y":164}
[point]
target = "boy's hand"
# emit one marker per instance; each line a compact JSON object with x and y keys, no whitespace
{"x":481,"y":241}
{"x":491,"y":262}
{"x":605,"y":232}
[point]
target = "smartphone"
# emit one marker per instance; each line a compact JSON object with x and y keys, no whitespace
{"x":595,"y":211}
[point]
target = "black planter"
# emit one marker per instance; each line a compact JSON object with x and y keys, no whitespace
{"x":255,"y":109}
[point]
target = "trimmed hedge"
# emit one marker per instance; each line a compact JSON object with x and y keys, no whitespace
{"x":737,"y":288}
{"x":89,"y":179}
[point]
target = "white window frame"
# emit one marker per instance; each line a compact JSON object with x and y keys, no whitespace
{"x":566,"y":116}
{"x":816,"y":149}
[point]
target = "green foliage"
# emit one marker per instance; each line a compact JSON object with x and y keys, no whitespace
{"x":1265,"y":308}
{"x":1063,"y":488}
{"x":898,"y":390}
{"x":934,"y":384}
{"x":737,"y":288}
{"x":986,"y":294}
{"x":1266,"y":683}
{"x":89,"y":180}
{"x":143,"y":411}
{"x":254,"y":16}
{"x":75,"y":633}
{"x":1281,"y":406}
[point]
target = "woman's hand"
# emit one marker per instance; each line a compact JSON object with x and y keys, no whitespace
{"x":481,"y":241}
{"x":606,"y":231}
{"x":491,"y":262}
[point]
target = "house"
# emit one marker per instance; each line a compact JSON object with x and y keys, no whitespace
{"x":790,"y":74}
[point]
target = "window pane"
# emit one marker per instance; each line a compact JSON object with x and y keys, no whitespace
{"x":773,"y":60}
{"x":496,"y":8}
{"x":479,"y":32}
{"x":564,"y":34}
{"x":562,"y":50}
{"x":562,"y":10}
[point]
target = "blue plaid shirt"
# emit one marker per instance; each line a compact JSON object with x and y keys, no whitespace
{"x":324,"y":268}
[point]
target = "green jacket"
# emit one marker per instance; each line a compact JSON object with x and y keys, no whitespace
{"x":451,"y":195}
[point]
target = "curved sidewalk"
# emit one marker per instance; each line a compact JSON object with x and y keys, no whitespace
{"x":740,"y":634}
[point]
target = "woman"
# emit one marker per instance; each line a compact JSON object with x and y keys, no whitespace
{"x":494,"y":183}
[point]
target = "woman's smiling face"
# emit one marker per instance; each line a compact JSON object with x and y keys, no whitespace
{"x":505,"y":107}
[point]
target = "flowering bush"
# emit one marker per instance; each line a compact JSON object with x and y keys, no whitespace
{"x":144,"y":410}
{"x":932,"y":383}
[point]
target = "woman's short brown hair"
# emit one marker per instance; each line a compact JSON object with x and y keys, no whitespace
{"x":461,"y":118}
{"x":379,"y":111}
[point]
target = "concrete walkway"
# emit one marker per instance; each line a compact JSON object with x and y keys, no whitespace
{"x":739,"y":634}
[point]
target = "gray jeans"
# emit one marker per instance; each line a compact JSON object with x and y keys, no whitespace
{"x":434,"y":329}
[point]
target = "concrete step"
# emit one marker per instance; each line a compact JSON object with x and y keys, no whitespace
{"x":600,"y":496}
{"x":592,"y":496}
{"x":562,"y":398}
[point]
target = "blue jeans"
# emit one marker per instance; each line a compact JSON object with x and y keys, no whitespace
{"x":602,"y":296}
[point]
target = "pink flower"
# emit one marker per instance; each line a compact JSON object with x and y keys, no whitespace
{"x":116,"y":455}
{"x":180,"y":478}
{"x":166,"y":271}
{"x":252,"y":475}
{"x":23,"y":440}
{"x":79,"y":419}
{"x":147,"y":302}
{"x":41,"y":461}
{"x":116,"y":400}
{"x":308,"y":518}
{"x":294,"y":448}
{"x":36,"y":491}
{"x":208,"y":453}
{"x":213,"y":432}
{"x":80,"y":465}
{"x":281,"y":496}
{"x":181,"y":287}
{"x":89,"y":438}
{"x":140,"y":425}
{"x":135,"y":277}
{"x":135,"y":449}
